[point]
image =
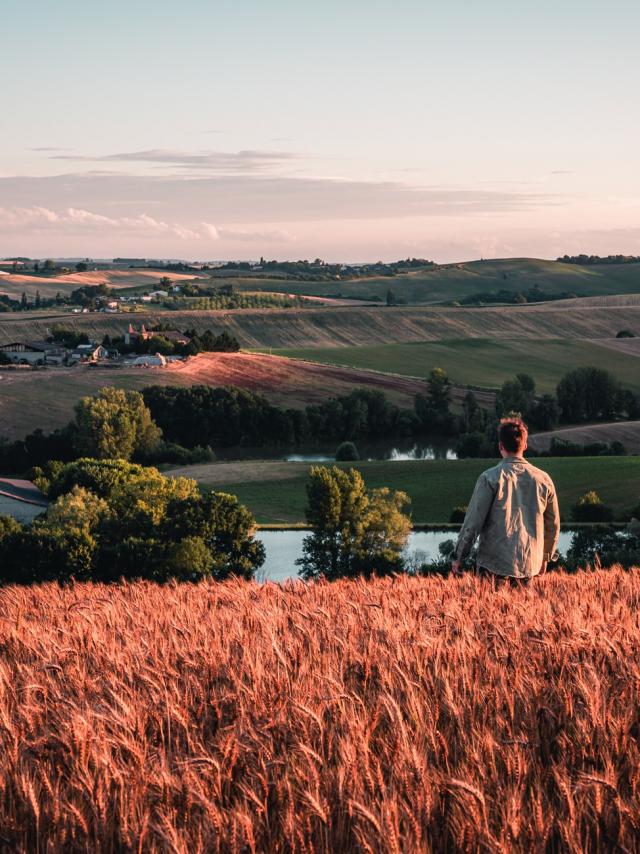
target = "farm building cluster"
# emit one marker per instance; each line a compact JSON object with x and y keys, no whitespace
{"x":52,"y":353}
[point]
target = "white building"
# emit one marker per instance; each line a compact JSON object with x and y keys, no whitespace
{"x":34,"y":353}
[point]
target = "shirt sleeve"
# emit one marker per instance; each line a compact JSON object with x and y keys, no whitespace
{"x":551,"y":526}
{"x":476,"y":515}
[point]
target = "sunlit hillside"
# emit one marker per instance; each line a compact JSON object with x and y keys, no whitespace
{"x":396,"y":715}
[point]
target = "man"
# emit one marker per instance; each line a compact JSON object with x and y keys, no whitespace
{"x":514,"y":510}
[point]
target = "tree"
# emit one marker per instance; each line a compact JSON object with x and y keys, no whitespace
{"x":474,"y":418}
{"x":225,"y":526}
{"x":589,"y":508}
{"x":347,"y":452}
{"x":355,"y":531}
{"x":433,"y":409}
{"x":46,"y":553}
{"x":544,"y":414}
{"x":114,"y":425}
{"x":587,"y":394}
{"x":625,"y":333}
{"x":391,"y":297}
{"x":82,"y":266}
{"x":517,"y":396}
{"x":49,"y":265}
{"x":24,"y":302}
{"x":79,"y":509}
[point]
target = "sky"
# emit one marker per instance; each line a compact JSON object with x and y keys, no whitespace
{"x":352,"y":131}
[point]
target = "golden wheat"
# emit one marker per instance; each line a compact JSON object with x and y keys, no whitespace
{"x":396,"y":715}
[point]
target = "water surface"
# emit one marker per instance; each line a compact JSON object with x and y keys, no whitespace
{"x":283,"y":548}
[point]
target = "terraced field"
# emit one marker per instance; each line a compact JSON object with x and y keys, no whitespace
{"x":487,"y":362}
{"x":356,"y":326}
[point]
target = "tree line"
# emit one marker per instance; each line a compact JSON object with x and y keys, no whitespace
{"x":587,"y":394}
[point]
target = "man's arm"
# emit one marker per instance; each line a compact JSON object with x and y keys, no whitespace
{"x":551,"y":528}
{"x":474,"y":520}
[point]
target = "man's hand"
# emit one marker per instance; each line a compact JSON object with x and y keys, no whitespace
{"x":455,"y":567}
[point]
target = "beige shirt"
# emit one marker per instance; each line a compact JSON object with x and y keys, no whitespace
{"x":514,"y":511}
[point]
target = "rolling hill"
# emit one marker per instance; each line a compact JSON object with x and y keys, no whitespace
{"x":488,"y":362}
{"x":358,"y":325}
{"x":449,"y":282}
{"x":45,"y":398}
{"x":442,"y":283}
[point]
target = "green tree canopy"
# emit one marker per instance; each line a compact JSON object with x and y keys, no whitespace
{"x":115,"y":424}
{"x":355,"y":530}
{"x":587,"y":394}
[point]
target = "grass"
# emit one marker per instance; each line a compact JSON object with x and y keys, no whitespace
{"x":275,"y":491}
{"x":456,"y":281}
{"x":485,"y":362}
{"x":409,"y":714}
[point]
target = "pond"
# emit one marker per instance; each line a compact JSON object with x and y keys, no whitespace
{"x":431,"y":448}
{"x":283,"y":548}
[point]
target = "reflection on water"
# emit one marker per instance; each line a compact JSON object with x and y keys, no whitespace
{"x":428,"y":449}
{"x":283,"y":548}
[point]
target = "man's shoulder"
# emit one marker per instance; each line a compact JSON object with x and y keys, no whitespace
{"x":540,"y":474}
{"x":491,"y":474}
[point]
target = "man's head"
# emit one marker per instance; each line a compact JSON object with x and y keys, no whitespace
{"x":512,"y":436}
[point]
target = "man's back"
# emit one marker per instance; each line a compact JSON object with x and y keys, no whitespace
{"x":514,"y":510}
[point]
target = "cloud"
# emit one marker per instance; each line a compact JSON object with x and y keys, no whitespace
{"x":248,"y":235}
{"x":46,"y":148}
{"x":220,"y":162}
{"x":263,"y":198}
{"x":81,"y":222}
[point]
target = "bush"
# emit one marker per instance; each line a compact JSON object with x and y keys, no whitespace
{"x":589,"y":508}
{"x":458,"y":514}
{"x":625,"y":333}
{"x":347,"y":452}
{"x":112,"y":519}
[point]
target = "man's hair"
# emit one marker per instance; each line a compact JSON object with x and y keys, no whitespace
{"x":512,"y":434}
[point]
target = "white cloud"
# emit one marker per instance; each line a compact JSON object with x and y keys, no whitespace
{"x":37,"y":220}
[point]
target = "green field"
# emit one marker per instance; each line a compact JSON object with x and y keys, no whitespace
{"x":457,"y":281}
{"x":484,"y":362}
{"x":275,"y":492}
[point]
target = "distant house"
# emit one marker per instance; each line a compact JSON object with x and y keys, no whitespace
{"x":34,"y":353}
{"x":89,"y":353}
{"x":132,"y":335}
{"x":21,"y":499}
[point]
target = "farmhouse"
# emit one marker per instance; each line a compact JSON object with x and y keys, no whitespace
{"x":132,"y":335}
{"x":89,"y":353}
{"x":34,"y":353}
{"x":21,"y":499}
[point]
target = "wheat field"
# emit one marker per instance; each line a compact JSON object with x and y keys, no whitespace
{"x":395,"y":715}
